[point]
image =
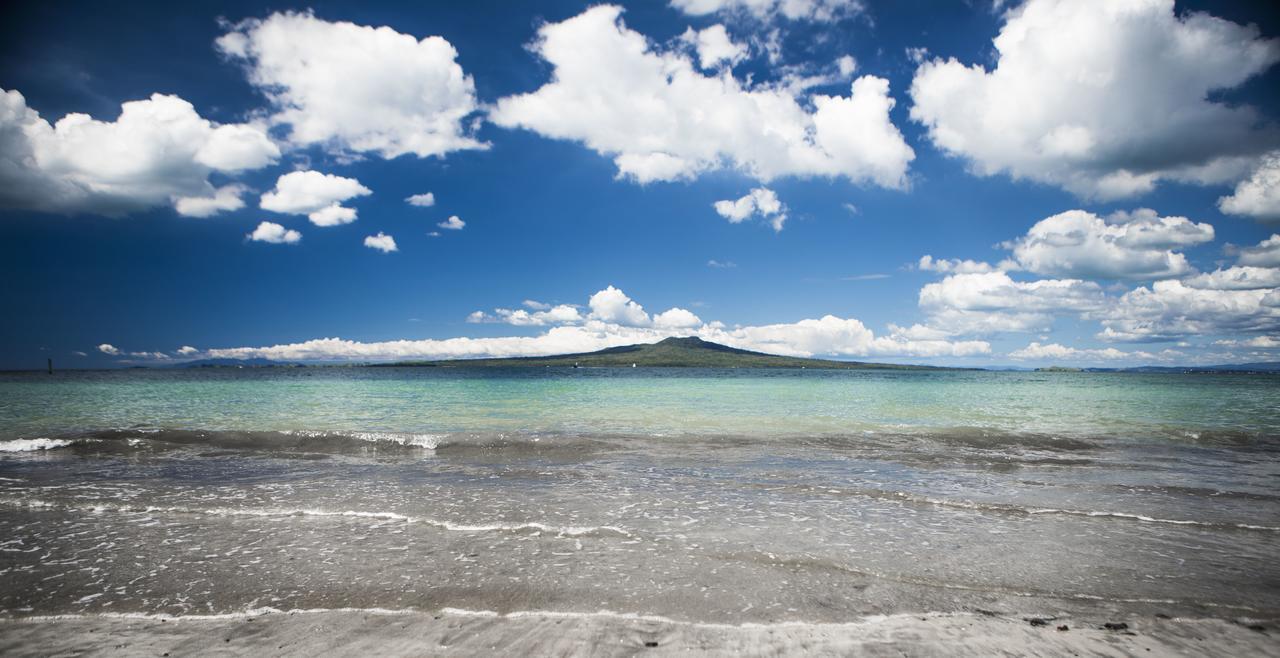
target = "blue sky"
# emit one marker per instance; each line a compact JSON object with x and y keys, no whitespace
{"x":1110,"y":170}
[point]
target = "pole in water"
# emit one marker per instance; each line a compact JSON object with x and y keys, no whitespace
{"x":50,"y":366}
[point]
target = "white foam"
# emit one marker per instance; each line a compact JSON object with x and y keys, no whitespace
{"x":463,"y":612}
{"x":564,"y":531}
{"x":32,"y":445}
{"x":424,"y":441}
{"x":998,"y":507}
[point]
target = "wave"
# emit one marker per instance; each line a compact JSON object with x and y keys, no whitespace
{"x":288,"y":440}
{"x":939,"y":447}
{"x":1003,"y":508}
{"x":33,"y":445}
{"x":527,"y":526}
{"x":1035,"y":511}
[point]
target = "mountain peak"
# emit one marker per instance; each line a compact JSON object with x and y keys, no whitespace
{"x":684,"y":341}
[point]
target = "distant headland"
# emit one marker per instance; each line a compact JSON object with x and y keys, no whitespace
{"x":689,"y":352}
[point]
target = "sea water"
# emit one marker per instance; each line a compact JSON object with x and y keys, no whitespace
{"x":723,"y":496}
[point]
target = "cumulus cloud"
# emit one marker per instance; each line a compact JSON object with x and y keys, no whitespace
{"x":453,"y":224}
{"x":991,"y":302}
{"x":356,"y":88}
{"x":1137,"y":245}
{"x":1236,"y":278}
{"x":382,"y":242}
{"x":615,"y":307}
{"x":1257,"y":196}
{"x":1168,"y":310}
{"x":714,"y":46}
{"x":551,"y":315}
{"x":1105,"y":98}
{"x":928,"y":263}
{"x":158,"y":152}
{"x":1265,"y":254}
{"x":316,"y":195}
{"x":660,"y":119}
{"x":810,"y":10}
{"x":1257,"y":342}
{"x":274,"y":234}
{"x":1054,"y":351}
{"x":109,"y":349}
{"x":615,"y":319}
{"x":760,"y":201}
{"x":224,"y":199}
{"x":978,"y":299}
{"x":422,"y":200}
{"x":676,"y":318}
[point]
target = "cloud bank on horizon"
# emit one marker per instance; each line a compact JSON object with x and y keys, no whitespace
{"x":1144,"y":105}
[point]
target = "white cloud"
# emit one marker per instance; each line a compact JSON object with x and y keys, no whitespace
{"x":847,"y":65}
{"x":1105,"y":98}
{"x":535,"y":305}
{"x":187,"y":350}
{"x":811,"y":10}
{"x":1136,"y":245}
{"x":147,"y":356}
{"x":552,"y":315}
{"x":676,"y":318}
{"x":1171,"y":309}
{"x":1236,"y":278}
{"x":224,"y":199}
{"x":1266,"y":254}
{"x":714,"y":46}
{"x":1257,"y":196}
{"x":838,"y":336}
{"x":453,"y":224}
{"x":992,"y":302}
{"x":928,"y":263}
{"x":662,"y":120}
{"x":382,"y":242}
{"x":1257,"y":342}
{"x":316,"y":195}
{"x":158,"y":152}
{"x":1054,"y":351}
{"x":274,"y":234}
{"x":422,"y":200}
{"x":760,"y":201}
{"x":614,"y":306}
{"x":357,"y":88}
{"x":108,"y":348}
{"x":721,"y":265}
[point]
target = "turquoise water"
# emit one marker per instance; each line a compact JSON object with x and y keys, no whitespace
{"x":699,"y":495}
{"x":670,"y":402}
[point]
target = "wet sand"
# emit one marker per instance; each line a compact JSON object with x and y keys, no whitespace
{"x":392,"y":633}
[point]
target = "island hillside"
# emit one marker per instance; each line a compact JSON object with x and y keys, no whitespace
{"x":688,"y":352}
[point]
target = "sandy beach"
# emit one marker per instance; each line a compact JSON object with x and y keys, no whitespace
{"x":409,"y":633}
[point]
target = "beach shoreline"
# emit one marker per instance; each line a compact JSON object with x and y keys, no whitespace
{"x":457,"y":632}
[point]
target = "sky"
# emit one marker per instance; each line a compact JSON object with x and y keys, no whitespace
{"x":1069,"y":182}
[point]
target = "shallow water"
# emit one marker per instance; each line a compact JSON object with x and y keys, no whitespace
{"x":699,"y":495}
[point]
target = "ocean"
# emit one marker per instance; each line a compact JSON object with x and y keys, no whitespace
{"x":708,"y":496}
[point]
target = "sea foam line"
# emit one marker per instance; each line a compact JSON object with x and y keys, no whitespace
{"x":996,"y":507}
{"x":567,"y":531}
{"x":519,"y":614}
{"x":32,"y":445}
{"x":484,"y":614}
